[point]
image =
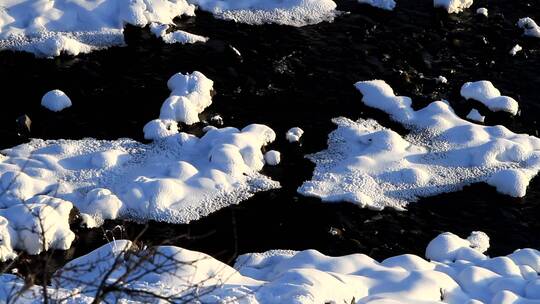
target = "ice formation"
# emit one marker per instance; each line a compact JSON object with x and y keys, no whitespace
{"x":517,"y":48}
{"x":375,"y":167}
{"x":190,"y":95}
{"x":286,"y":12}
{"x":457,"y":272}
{"x":294,"y":134}
{"x":453,"y":6}
{"x":530,"y":28}
{"x":484,"y":92}
{"x":474,"y":115}
{"x":48,"y":28}
{"x":177,"y":178}
{"x":55,"y":101}
{"x":482,"y":11}
{"x":383,"y":4}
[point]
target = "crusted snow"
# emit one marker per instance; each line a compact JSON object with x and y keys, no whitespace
{"x":176,"y":178}
{"x":383,"y":4}
{"x":294,"y":134}
{"x":55,"y":101}
{"x":285,"y":12}
{"x":453,"y":6}
{"x":48,"y":28}
{"x":376,"y":167}
{"x":485,"y":92}
{"x":530,"y":28}
{"x":474,"y":115}
{"x":457,"y":271}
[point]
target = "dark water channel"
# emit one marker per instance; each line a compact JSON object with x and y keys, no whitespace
{"x":303,"y":77}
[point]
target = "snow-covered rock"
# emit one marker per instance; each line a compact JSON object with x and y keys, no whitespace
{"x":517,"y":48}
{"x":442,"y":79}
{"x":457,"y":272}
{"x":482,"y":11}
{"x":190,"y":95}
{"x":485,"y":92}
{"x":294,"y":134}
{"x":376,"y":167}
{"x":474,"y":115}
{"x":453,"y":6}
{"x":383,"y":4}
{"x":48,"y":28}
{"x":55,"y":101}
{"x":179,"y":36}
{"x":272,"y":157}
{"x":286,"y":12}
{"x":530,"y":28}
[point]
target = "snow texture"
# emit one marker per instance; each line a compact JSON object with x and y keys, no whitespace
{"x":484,"y":92}
{"x":179,"y":36}
{"x":48,"y":28}
{"x":55,"y":101}
{"x":457,"y":272}
{"x":383,"y":4}
{"x":294,"y":134}
{"x":453,"y":6}
{"x":272,"y":157}
{"x":375,"y":167}
{"x":285,"y":12}
{"x":530,"y":28}
{"x":474,"y":115}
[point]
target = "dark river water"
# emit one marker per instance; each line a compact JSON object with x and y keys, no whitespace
{"x":303,"y":77}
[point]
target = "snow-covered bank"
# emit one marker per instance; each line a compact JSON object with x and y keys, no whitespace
{"x":286,"y":12}
{"x":375,"y":167}
{"x":48,"y":28}
{"x":176,"y":178}
{"x":458,"y":272}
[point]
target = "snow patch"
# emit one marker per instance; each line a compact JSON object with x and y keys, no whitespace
{"x":482,"y":11}
{"x":294,"y":134}
{"x":517,"y":48}
{"x":485,"y":92}
{"x":49,"y":28}
{"x":453,"y":6}
{"x":530,"y":28}
{"x":375,"y":167}
{"x":474,"y":115}
{"x":285,"y":12}
{"x":272,"y":157}
{"x":383,"y":4}
{"x":458,"y":272}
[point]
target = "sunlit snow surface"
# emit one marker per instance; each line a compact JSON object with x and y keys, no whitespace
{"x":376,"y":167}
{"x":176,"y":178}
{"x":48,"y":28}
{"x":457,"y":272}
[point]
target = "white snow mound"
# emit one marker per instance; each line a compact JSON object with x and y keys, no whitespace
{"x":375,"y":167}
{"x":48,"y":28}
{"x":55,"y":101}
{"x":485,"y":92}
{"x":294,"y":134}
{"x":382,"y":4}
{"x":285,"y":12}
{"x":458,"y":273}
{"x":453,"y":6}
{"x":530,"y":28}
